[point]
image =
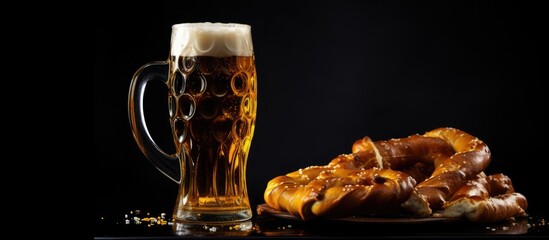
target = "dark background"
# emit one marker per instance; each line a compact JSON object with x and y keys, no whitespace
{"x":330,"y":73}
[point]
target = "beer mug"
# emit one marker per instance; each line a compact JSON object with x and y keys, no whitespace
{"x":212,"y":97}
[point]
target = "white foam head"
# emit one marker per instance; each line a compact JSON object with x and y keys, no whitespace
{"x":211,"y":39}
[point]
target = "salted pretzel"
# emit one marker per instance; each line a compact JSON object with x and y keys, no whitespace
{"x":456,"y":156}
{"x":486,"y":199}
{"x":442,"y":162}
{"x":319,"y":191}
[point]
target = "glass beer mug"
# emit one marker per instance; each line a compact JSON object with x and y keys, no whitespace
{"x":212,"y":99}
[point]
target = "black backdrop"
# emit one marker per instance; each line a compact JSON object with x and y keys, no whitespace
{"x":330,"y":73}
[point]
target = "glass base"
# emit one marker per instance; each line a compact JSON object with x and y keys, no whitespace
{"x":240,"y":228}
{"x":197,"y":216}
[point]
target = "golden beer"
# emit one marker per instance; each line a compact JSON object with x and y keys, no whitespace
{"x":212,"y":103}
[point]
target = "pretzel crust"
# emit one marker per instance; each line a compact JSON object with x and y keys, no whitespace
{"x":319,"y":191}
{"x":486,"y":199}
{"x":439,"y":170}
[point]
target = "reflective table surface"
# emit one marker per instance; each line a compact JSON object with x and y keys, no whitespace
{"x":138,"y":224}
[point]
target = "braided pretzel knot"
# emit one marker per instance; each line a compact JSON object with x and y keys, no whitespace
{"x":441,"y":161}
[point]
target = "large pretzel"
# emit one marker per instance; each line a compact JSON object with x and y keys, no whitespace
{"x":324,"y":191}
{"x":456,"y":156}
{"x":441,"y":161}
{"x":298,"y":191}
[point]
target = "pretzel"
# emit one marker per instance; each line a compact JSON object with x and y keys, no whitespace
{"x":403,"y":154}
{"x":486,"y":199}
{"x":471,"y":158}
{"x":447,"y":164}
{"x":456,"y":155}
{"x":483,"y":186}
{"x":321,"y":191}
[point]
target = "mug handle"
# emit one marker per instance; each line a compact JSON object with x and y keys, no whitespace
{"x":165,"y":163}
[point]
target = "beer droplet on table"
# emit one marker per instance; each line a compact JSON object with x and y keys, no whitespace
{"x":187,"y":106}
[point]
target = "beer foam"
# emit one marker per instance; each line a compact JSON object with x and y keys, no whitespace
{"x":211,"y":39}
